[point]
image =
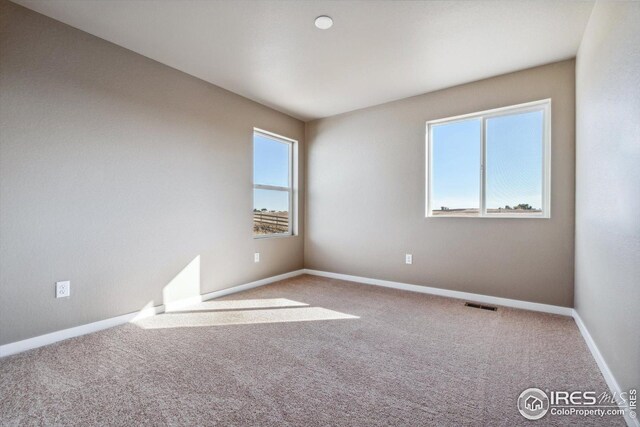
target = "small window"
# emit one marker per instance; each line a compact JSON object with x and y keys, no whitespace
{"x":272,"y":185}
{"x":490,"y":164}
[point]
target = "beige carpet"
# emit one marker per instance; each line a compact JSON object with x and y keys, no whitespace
{"x":307,"y":351}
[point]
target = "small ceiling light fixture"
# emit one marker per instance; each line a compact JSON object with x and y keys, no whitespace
{"x":324,"y":22}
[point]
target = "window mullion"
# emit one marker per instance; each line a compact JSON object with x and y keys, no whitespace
{"x":270,"y":187}
{"x":291,"y":207}
{"x":483,"y":166}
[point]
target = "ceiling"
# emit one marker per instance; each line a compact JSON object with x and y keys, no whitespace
{"x":377,"y":51}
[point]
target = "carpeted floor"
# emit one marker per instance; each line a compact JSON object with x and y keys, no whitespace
{"x":307,"y":351}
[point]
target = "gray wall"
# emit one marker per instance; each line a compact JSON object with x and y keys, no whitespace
{"x":608,"y":186}
{"x":116,"y":172}
{"x":366,"y":197}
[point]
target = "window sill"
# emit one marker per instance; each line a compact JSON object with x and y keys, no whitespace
{"x":272,"y":236}
{"x":521,"y":216}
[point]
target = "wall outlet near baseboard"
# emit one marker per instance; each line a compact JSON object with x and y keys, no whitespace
{"x":63,"y":289}
{"x":256,"y":257}
{"x":408,"y":259}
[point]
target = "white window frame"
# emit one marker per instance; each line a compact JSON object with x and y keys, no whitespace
{"x":543,"y":105}
{"x":292,"y":145}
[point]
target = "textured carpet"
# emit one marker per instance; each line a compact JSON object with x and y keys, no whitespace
{"x":307,"y":351}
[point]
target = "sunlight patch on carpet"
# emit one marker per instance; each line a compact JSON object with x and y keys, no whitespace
{"x":243,"y":304}
{"x":240,"y":317}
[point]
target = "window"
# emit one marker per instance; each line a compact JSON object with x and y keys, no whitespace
{"x":490,"y":164}
{"x":272,"y":185}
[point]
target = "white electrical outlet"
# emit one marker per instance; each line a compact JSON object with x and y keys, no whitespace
{"x":63,"y":289}
{"x":408,"y":259}
{"x":256,"y":257}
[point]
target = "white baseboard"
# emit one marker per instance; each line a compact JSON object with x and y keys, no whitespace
{"x":602,"y":364}
{"x":247,"y":286}
{"x":53,"y":337}
{"x":41,"y":340}
{"x":180,"y":304}
{"x":533,"y":306}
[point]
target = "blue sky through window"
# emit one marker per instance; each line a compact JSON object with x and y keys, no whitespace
{"x":270,"y":167}
{"x":514,"y":161}
{"x":271,"y":200}
{"x":456,"y":165}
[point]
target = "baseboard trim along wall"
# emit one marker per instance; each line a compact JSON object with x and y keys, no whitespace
{"x":525,"y":305}
{"x":506,"y":302}
{"x":604,"y":368}
{"x":53,"y":337}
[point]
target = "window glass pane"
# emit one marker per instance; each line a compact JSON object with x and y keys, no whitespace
{"x":514,"y":173}
{"x":455,"y":163}
{"x":270,"y":211}
{"x":270,"y":161}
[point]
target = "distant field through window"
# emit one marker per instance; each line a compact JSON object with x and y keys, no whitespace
{"x":272,"y":185}
{"x":490,"y":164}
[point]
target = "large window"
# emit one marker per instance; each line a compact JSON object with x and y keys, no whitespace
{"x":272,"y":185}
{"x":490,"y":164}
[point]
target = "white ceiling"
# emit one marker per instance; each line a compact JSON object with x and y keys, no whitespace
{"x":377,"y":51}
